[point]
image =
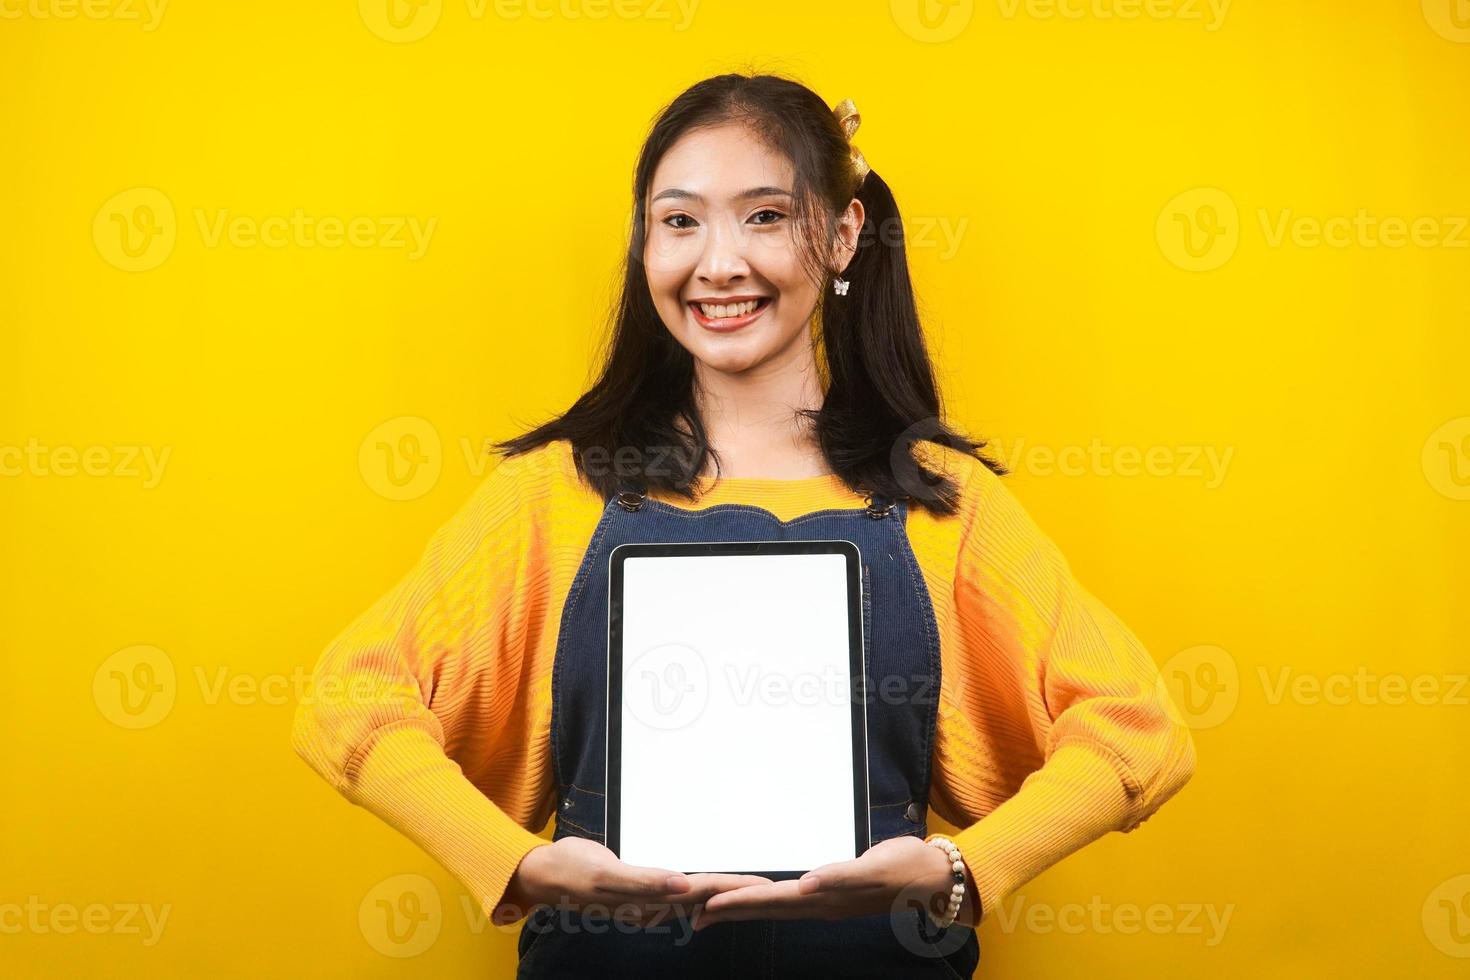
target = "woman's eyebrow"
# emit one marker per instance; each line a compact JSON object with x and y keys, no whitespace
{"x":680,"y":193}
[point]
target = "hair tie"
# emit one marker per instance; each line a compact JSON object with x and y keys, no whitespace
{"x":849,"y":119}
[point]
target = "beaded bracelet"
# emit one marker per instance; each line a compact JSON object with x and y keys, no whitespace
{"x":957,"y":892}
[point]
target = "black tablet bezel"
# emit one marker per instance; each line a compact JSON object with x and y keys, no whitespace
{"x":857,"y":666}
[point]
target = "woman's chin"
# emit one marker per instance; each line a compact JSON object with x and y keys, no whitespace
{"x":728,"y":358}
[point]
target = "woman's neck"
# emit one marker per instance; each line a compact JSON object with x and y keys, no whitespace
{"x":751,"y":418}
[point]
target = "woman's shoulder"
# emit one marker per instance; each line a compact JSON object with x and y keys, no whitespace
{"x":976,"y":482}
{"x":992,"y":525}
{"x":540,"y":486}
{"x":540,"y":471}
{"x":943,"y":543}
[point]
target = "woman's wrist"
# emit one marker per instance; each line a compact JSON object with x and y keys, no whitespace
{"x":524,"y":890}
{"x":947,"y":904}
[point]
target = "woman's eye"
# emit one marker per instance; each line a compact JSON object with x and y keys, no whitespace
{"x":677,"y":217}
{"x":775,"y":216}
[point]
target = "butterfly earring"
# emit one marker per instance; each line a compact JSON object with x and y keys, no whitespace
{"x":839,"y":286}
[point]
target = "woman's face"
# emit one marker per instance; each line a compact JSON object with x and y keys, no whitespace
{"x":721,"y":254}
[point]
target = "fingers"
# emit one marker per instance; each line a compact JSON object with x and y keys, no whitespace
{"x":633,"y":885}
{"x":778,"y":900}
{"x":835,"y":877}
{"x":634,"y":894}
{"x":731,"y":880}
{"x":661,"y":893}
{"x":628,"y":881}
{"x":688,"y":904}
{"x":703,"y":885}
{"x":827,"y":892}
{"x":695,"y":888}
{"x":707,"y":883}
{"x":779,"y":894}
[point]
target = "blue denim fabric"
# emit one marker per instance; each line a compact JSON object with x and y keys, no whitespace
{"x":902,"y":653}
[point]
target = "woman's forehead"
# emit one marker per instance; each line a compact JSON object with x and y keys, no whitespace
{"x":719,"y":164}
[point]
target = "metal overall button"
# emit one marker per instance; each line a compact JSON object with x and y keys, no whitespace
{"x":630,"y":500}
{"x":878,"y":511}
{"x":912,"y":814}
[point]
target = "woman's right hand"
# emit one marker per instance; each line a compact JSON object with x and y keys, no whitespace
{"x":573,"y":872}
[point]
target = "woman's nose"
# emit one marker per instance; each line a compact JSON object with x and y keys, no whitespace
{"x":723,"y":257}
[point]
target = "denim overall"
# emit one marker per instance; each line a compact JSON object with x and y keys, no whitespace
{"x":902,"y":652}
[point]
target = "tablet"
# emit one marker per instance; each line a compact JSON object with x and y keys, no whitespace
{"x":737,"y":732}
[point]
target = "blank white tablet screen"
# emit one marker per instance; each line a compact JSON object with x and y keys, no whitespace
{"x":737,"y":740}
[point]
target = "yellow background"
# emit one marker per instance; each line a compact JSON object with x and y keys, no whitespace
{"x":1066,"y":156}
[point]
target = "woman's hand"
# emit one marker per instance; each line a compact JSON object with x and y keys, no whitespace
{"x":573,"y":872}
{"x":873,"y":883}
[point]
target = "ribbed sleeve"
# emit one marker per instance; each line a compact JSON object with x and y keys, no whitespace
{"x":1046,"y":670}
{"x":431,"y":681}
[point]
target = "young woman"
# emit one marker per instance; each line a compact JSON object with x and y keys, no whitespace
{"x":1031,"y":717}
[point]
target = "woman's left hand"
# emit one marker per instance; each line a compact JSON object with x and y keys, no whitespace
{"x":873,"y":883}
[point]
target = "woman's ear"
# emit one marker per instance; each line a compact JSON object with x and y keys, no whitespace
{"x":849,"y":226}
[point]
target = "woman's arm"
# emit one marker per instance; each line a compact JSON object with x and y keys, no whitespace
{"x":1045,"y":667}
{"x":434,"y":662}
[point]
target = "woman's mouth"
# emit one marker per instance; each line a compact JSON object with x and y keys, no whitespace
{"x":729,"y":315}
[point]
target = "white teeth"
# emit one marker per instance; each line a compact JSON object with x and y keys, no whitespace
{"x":731,"y":309}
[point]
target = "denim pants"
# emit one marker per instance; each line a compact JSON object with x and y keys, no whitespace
{"x":903,"y":672}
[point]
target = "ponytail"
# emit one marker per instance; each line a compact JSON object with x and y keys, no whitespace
{"x":881,"y":397}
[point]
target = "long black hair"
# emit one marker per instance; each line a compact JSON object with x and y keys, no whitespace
{"x":640,"y":422}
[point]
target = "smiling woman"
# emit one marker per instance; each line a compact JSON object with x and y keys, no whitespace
{"x":750,"y":190}
{"x":700,"y":240}
{"x":767,"y":379}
